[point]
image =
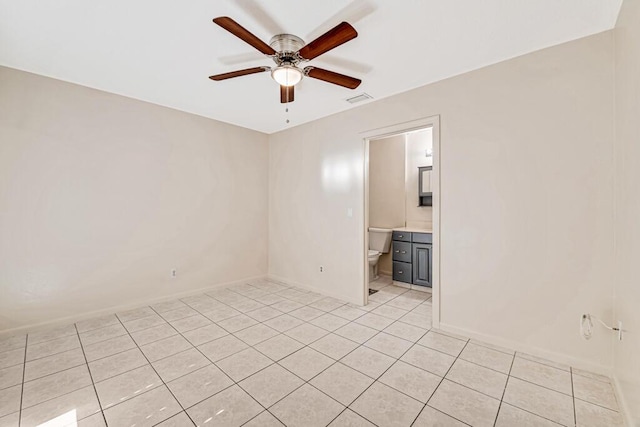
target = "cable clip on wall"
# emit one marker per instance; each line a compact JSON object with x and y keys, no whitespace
{"x":586,"y":326}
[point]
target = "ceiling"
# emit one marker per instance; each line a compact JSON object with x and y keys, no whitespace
{"x":162,"y":51}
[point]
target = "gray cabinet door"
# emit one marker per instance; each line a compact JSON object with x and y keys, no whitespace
{"x":422,"y":264}
{"x":402,"y":251}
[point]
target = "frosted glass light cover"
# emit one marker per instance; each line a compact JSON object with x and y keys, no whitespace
{"x":287,"y":75}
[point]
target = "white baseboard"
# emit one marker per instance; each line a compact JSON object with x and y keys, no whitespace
{"x":310,"y":288}
{"x":532,"y":350}
{"x":115,"y":309}
{"x":625,"y":410}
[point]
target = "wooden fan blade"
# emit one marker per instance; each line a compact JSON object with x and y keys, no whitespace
{"x":333,"y":38}
{"x":242,"y":33}
{"x":238,"y":73}
{"x":331,"y":77}
{"x":286,"y":94}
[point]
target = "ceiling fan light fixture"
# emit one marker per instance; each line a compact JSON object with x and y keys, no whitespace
{"x":287,"y":75}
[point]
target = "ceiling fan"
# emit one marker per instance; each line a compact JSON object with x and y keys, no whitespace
{"x":288,"y":52}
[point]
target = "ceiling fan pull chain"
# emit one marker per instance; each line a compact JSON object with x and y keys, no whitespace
{"x":286,"y":110}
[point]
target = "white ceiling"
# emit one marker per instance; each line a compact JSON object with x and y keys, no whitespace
{"x":162,"y":51}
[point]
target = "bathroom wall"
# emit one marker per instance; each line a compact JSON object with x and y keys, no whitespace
{"x":387,"y":188}
{"x":417,"y":144}
{"x":627,"y":207}
{"x":526,"y":180}
{"x":102,"y":195}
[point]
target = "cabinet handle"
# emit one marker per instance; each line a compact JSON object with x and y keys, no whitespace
{"x":404,"y":252}
{"x":398,"y":251}
{"x":400,"y":236}
{"x":400,"y":272}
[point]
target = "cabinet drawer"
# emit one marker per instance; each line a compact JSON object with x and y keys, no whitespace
{"x":422,"y":237}
{"x":402,"y":272}
{"x":402,"y":251}
{"x":402,"y":236}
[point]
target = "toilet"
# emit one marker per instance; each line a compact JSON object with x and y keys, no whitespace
{"x":379,"y":243}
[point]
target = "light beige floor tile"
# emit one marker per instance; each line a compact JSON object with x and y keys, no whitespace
{"x":147,"y":409}
{"x":263,"y":314}
{"x":385,"y":406}
{"x":265,"y":419}
{"x":199,"y":385}
{"x":48,"y":348}
{"x":283,"y":323}
{"x":167,"y":306}
{"x":108,"y":348}
{"x":144,"y":323}
{"x":278,"y":347}
{"x":190,"y":323}
{"x":82,"y":403}
{"x":237,"y":323}
{"x":368,"y":361}
{"x":180,"y":313}
{"x":327,"y":304}
{"x":591,"y":375}
{"x":180,"y":420}
{"x":221,"y":313}
{"x":247,"y":305}
{"x":52,"y":333}
{"x":201,"y":303}
{"x":306,"y":333}
{"x":270,"y":299}
{"x":52,"y":364}
{"x":127,"y":385}
{"x":443,"y":343}
{"x":390,"y":312}
{"x":430,"y":360}
{"x":478,"y":378}
{"x":13,"y":343}
{"x":222,"y":347}
{"x":403,"y":303}
{"x":348,"y":418}
{"x":136,"y":313}
{"x":594,"y":391}
{"x":342,"y":383}
{"x":10,"y":400}
{"x":430,"y":417}
{"x":306,"y":314}
{"x":180,"y":364}
{"x":166,"y":347}
{"x":487,"y":357}
{"x":55,"y":385}
{"x":306,"y":407}
{"x":11,"y":420}
{"x":205,"y":334}
{"x":544,"y":361}
{"x":271,"y":384}
{"x":541,"y":401}
{"x":147,"y":336}
{"x":374,"y":321}
{"x":356,"y":332}
{"x":389,"y":344}
{"x":12,"y":357}
{"x":589,"y":415}
{"x":510,"y":416}
{"x":417,"y":319}
{"x":287,"y":306}
{"x":410,"y":380}
{"x":306,"y":363}
{"x":405,"y":331}
{"x":465,"y":404}
{"x":231,"y":407}
{"x":329,"y":322}
{"x":11,"y":376}
{"x":334,"y":346}
{"x":348,"y":313}
{"x":95,"y":420}
{"x":111,"y":366}
{"x":102,"y":334}
{"x":240,"y":365}
{"x":543,"y":375}
{"x":97,"y":323}
{"x":493,"y":347}
{"x":256,"y":334}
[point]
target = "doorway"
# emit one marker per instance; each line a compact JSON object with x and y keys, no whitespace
{"x":417,"y":213}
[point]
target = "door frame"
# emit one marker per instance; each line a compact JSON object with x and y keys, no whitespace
{"x":432,"y":122}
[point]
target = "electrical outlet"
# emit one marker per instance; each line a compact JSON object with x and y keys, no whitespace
{"x":174,"y":273}
{"x":321,"y":269}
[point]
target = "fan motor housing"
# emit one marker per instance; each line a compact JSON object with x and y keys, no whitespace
{"x":286,"y":45}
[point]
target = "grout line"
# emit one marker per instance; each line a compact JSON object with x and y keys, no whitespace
{"x":513,"y":359}
{"x":90,"y":377}
{"x":24,"y":369}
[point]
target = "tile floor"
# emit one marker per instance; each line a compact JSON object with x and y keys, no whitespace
{"x":266,"y":354}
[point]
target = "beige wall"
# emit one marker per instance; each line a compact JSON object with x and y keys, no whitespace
{"x":387,"y":189}
{"x":101,"y":196}
{"x":627,"y":206}
{"x":526,"y":218}
{"x":417,"y":145}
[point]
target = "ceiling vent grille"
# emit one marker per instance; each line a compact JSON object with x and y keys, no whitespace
{"x":359,"y":98}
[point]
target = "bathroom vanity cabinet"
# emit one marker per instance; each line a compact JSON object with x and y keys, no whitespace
{"x":412,"y":257}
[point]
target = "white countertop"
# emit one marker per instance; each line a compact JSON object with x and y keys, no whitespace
{"x":414,"y":230}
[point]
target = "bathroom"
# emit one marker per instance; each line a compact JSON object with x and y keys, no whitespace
{"x":400,"y":203}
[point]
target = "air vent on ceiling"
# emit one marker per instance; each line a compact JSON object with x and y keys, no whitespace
{"x":359,"y":98}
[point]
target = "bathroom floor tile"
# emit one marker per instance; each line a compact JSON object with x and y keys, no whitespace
{"x":283,"y":323}
{"x":329,"y":322}
{"x":368,"y":361}
{"x":334,"y":346}
{"x":478,"y":378}
{"x":231,"y":407}
{"x":51,"y":364}
{"x":270,"y":384}
{"x":388,"y":344}
{"x":125,"y":386}
{"x":487,"y":357}
{"x":222,"y":347}
{"x":306,"y":363}
{"x":199,"y":385}
{"x":465,"y":404}
{"x":443,"y":343}
{"x":279,"y":347}
{"x":306,"y":333}
{"x":180,"y":364}
{"x":589,"y":415}
{"x":385,"y":406}
{"x":348,"y":418}
{"x":306,"y":407}
{"x":342,"y":383}
{"x":356,"y":332}
{"x":430,"y":360}
{"x":541,"y":401}
{"x":410,"y":380}
{"x":430,"y":417}
{"x":55,"y":385}
{"x":147,"y":409}
{"x":510,"y":416}
{"x":243,"y":364}
{"x":405,"y":331}
{"x":546,"y":376}
{"x":594,"y":391}
{"x":256,"y":334}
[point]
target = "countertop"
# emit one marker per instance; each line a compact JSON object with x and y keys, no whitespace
{"x":414,"y":230}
